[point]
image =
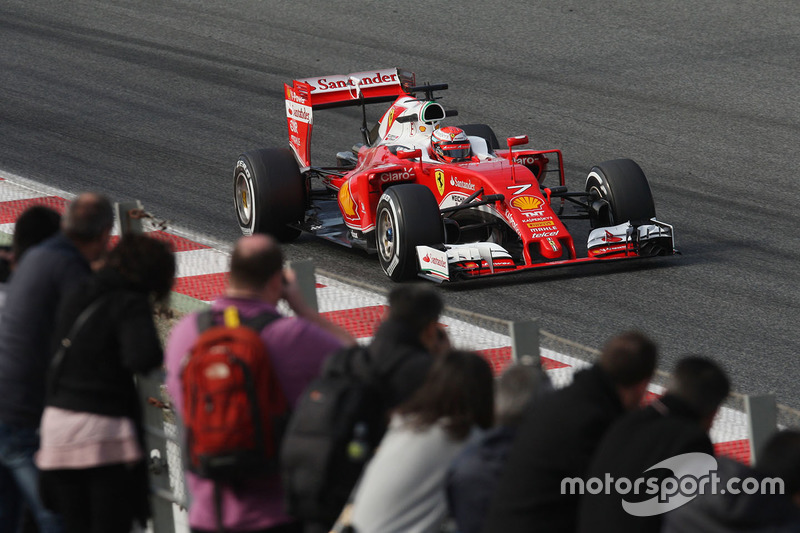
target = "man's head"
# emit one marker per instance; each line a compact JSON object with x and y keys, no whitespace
{"x":418,"y":308}
{"x":702,"y":384}
{"x":256,"y":267}
{"x":515,"y":389}
{"x":629,"y":360}
{"x":87,"y":223}
{"x":34,"y":225}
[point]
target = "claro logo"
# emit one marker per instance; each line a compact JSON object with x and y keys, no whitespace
{"x":400,"y":175}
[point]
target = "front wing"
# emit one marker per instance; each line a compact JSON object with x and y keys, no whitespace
{"x":453,"y":262}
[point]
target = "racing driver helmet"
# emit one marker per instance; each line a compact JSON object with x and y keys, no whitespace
{"x":451,"y":145}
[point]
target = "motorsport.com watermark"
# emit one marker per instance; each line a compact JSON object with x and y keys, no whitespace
{"x":693,"y":474}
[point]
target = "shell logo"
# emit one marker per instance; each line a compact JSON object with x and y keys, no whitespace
{"x":526,"y":203}
{"x":346,"y":201}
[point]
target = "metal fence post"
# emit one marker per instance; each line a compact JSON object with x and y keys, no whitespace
{"x":762,"y":422}
{"x":306,"y":279}
{"x":161,"y":497}
{"x":525,"y":343}
{"x":127,"y":219}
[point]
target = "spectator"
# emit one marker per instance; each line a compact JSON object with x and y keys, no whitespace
{"x":560,"y":433}
{"x":33,"y":226}
{"x":297,"y":347}
{"x":6,"y":257}
{"x":674,"y":424}
{"x":92,"y":455}
{"x":473,"y":475}
{"x":318,"y":474}
{"x":739,"y":512}
{"x":411,"y":335}
{"x":42,"y":277}
{"x":402,"y":488}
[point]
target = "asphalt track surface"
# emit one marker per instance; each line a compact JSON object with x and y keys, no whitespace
{"x":155,"y":100}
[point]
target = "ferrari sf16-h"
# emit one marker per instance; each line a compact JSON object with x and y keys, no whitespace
{"x":441,"y":202}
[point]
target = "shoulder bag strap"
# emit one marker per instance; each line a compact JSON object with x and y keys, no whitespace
{"x":66,"y":342}
{"x":261,"y":321}
{"x":206,"y":319}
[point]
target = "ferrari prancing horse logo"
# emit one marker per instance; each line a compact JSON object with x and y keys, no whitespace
{"x":439,"y":176}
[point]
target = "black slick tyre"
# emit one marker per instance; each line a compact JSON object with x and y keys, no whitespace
{"x":269,"y":193}
{"x":619,"y":192}
{"x":407,"y":216}
{"x":482,"y":130}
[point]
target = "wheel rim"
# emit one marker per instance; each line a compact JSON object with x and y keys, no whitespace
{"x":244,"y":199}
{"x":386,"y":236}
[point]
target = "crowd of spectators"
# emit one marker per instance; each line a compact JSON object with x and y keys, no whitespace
{"x":462,"y":451}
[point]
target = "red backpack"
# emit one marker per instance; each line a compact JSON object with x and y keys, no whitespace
{"x":234,"y":408}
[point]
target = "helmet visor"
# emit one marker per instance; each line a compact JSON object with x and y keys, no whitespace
{"x":456,"y":151}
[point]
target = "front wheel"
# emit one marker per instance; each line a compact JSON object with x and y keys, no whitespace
{"x":269,"y":193}
{"x":619,"y":193}
{"x":407,"y":216}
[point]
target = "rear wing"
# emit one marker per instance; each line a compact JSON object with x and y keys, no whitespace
{"x":360,"y":88}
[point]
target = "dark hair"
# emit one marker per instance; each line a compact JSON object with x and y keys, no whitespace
{"x":147,"y":263}
{"x":415,"y":305}
{"x":253,"y":268}
{"x":701,"y":383}
{"x":87,"y":218}
{"x":780,"y":457}
{"x":34,"y":225}
{"x":458,"y":392}
{"x":629,"y":358}
{"x":515,"y":389}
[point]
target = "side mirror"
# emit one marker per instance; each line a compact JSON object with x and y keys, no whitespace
{"x":517,"y":141}
{"x":409,"y":154}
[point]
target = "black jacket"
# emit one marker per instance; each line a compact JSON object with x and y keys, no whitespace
{"x":472,"y":477}
{"x":118,"y":340}
{"x":556,"y":439}
{"x":46,"y":273}
{"x":735,"y":513}
{"x":666,"y":428}
{"x":400,"y":359}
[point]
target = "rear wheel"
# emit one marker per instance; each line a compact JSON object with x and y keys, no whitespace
{"x":269,"y":193}
{"x":407,"y":216}
{"x":618,"y":193}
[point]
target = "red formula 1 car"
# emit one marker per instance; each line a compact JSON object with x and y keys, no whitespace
{"x":440,"y":202}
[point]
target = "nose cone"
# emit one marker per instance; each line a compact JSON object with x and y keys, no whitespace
{"x":550,"y":248}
